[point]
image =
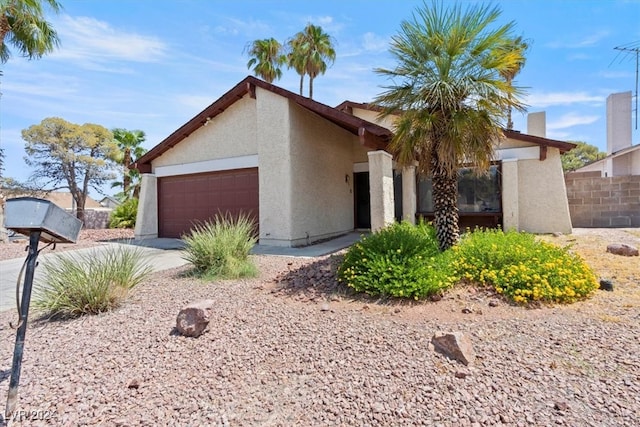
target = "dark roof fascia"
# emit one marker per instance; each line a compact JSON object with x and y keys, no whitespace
{"x":375,"y":136}
{"x":538,"y":140}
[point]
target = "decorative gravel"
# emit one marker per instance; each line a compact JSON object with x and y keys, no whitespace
{"x":281,"y":351}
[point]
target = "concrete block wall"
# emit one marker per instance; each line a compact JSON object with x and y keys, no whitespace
{"x":609,"y":202}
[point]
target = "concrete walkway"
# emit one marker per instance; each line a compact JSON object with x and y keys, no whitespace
{"x":160,"y":254}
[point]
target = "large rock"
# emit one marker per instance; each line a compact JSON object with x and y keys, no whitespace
{"x":194,"y":318}
{"x":622,"y":249}
{"x":454,"y":345}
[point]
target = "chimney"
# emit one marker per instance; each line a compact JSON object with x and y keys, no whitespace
{"x":618,"y":121}
{"x":537,"y":124}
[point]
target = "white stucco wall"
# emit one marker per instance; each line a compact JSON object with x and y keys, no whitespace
{"x":232,"y":133}
{"x":542,"y":196}
{"x":321,"y":173}
{"x":274,"y":168}
{"x":635,"y":162}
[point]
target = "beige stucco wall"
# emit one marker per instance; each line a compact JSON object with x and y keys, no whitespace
{"x":274,"y":168}
{"x":147,"y":216}
{"x":232,"y":133}
{"x":542,"y":195}
{"x":373,"y":117}
{"x":635,"y":162}
{"x":321,"y":170}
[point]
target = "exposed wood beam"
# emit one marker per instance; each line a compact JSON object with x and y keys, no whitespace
{"x":543,"y":152}
{"x":251,"y":89}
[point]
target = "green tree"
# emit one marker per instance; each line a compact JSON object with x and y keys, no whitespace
{"x":580,"y":156}
{"x":452,"y":100}
{"x":311,"y":52}
{"x":130,"y":147}
{"x":266,"y":59}
{"x":66,"y":155}
{"x":23,"y":25}
{"x":520,"y":45}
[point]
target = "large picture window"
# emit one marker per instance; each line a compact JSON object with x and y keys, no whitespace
{"x":476,"y":194}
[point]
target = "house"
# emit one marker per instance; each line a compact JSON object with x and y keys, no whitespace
{"x":606,"y":193}
{"x":307,"y":171}
{"x":109,"y":202}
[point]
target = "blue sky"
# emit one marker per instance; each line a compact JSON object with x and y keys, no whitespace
{"x":154,"y":64}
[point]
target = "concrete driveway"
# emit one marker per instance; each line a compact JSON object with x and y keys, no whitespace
{"x":161,"y":254}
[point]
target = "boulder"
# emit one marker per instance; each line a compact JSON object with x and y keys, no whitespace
{"x":194,"y":318}
{"x":622,"y":249}
{"x":454,"y":345}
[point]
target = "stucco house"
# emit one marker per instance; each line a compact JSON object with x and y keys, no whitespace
{"x":307,"y":171}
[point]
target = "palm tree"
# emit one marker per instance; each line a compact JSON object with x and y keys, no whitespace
{"x":130,"y":144}
{"x":22,"y":24}
{"x":521,"y":45}
{"x":310,"y":50}
{"x":450,"y":98}
{"x":266,"y":59}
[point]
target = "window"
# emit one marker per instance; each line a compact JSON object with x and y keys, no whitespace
{"x":475,"y":193}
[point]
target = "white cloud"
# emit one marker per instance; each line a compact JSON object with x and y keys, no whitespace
{"x":91,"y":42}
{"x":328,"y":23}
{"x":616,"y":74}
{"x":548,"y":99}
{"x":374,"y":42}
{"x":586,"y":41}
{"x":571,"y":119}
{"x":251,"y":28}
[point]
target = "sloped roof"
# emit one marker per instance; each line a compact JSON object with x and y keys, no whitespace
{"x":370,"y":134}
{"x":624,"y":151}
{"x":348,"y":106}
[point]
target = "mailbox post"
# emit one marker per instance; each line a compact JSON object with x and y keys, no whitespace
{"x":43,"y":221}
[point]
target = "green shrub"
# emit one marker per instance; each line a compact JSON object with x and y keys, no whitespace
{"x":89,"y":283}
{"x":220,"y":248}
{"x":401,"y":260}
{"x":523,"y":268}
{"x":124,"y":216}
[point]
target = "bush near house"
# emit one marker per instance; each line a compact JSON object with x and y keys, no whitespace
{"x":124,"y":215}
{"x":522,"y":268}
{"x":89,"y":283}
{"x":403,"y":260}
{"x":219,"y":249}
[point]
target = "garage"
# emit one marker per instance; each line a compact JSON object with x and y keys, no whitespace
{"x":185,"y":200}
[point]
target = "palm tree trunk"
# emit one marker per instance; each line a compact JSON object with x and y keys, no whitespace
{"x":310,"y":87}
{"x":301,"y":83}
{"x":445,"y":207}
{"x":126,"y":179}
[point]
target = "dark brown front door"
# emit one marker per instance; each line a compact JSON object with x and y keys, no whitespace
{"x":185,"y":200}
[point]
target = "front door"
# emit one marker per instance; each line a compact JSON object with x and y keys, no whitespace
{"x":362,"y":200}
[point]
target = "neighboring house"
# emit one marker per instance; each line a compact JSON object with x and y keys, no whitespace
{"x":606,"y":193}
{"x":66,"y":201}
{"x":109,"y":202}
{"x":307,"y":171}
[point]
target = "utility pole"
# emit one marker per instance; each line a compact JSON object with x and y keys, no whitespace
{"x":631,"y":51}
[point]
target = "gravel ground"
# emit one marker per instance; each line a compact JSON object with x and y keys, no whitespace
{"x":292,"y":348}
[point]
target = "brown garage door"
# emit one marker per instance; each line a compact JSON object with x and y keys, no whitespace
{"x":188,"y":199}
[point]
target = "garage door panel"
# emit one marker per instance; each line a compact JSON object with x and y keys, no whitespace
{"x":188,"y":199}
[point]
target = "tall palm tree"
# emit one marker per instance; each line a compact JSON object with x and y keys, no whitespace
{"x":130,"y":145}
{"x":521,"y":45}
{"x":310,"y":50}
{"x":266,"y":59}
{"x":23,"y":25}
{"x":450,"y":98}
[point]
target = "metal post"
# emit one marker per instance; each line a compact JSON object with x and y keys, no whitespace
{"x":12,"y":397}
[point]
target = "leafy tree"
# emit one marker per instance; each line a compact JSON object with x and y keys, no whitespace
{"x":266,"y":59}
{"x":23,"y":25}
{"x":519,"y":44}
{"x":580,"y":156}
{"x":310,"y":50}
{"x":66,"y":155}
{"x":129,"y":143}
{"x":448,"y":86}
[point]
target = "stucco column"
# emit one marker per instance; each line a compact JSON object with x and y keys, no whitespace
{"x":409,"y":200}
{"x":147,"y":218}
{"x":381,"y":189}
{"x":510,"y":209}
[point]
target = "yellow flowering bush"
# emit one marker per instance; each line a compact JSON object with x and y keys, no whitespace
{"x":401,"y":260}
{"x":522,"y":268}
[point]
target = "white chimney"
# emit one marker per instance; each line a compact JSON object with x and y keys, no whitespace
{"x":618,"y":121}
{"x":537,"y":124}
